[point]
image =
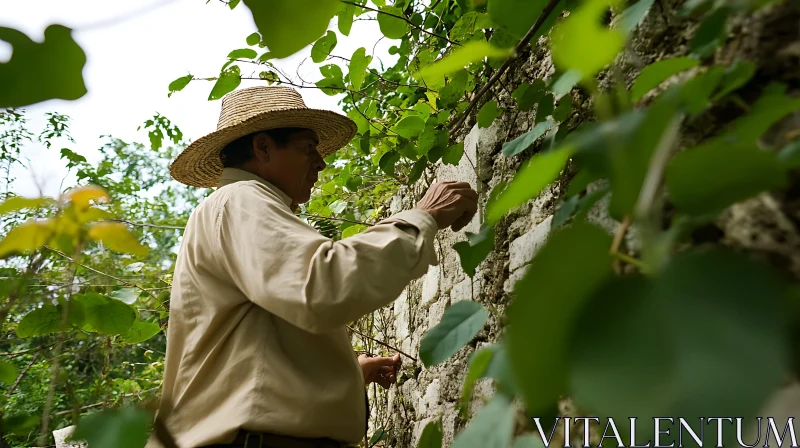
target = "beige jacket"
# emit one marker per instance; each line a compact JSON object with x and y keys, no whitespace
{"x":256,"y":337}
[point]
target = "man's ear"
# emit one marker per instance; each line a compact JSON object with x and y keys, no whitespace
{"x":263,"y":145}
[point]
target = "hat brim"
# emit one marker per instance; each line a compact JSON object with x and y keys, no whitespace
{"x":199,"y":165}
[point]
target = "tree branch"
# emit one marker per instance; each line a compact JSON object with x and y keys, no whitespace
{"x":22,"y":374}
{"x":403,"y":18}
{"x":335,"y":219}
{"x":381,"y":343}
{"x":97,"y":405}
{"x":496,"y":76}
{"x":155,"y":226}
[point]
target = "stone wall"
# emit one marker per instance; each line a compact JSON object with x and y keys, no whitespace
{"x":767,"y":224}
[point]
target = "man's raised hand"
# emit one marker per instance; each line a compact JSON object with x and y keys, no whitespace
{"x":452,"y":204}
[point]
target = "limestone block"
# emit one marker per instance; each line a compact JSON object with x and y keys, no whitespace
{"x":449,"y":424}
{"x":515,"y":276}
{"x":430,"y":286}
{"x":542,"y":208}
{"x":483,"y":391}
{"x":429,"y":402}
{"x":417,"y":431}
{"x":435,"y":313}
{"x":60,"y":436}
{"x":523,"y":249}
{"x":401,"y":313}
{"x":463,"y":291}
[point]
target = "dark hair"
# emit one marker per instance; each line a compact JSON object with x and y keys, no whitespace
{"x":239,"y":151}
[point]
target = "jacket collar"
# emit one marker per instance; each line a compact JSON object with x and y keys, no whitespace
{"x":232,"y":175}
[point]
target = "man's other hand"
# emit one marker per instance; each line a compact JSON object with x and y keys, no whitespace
{"x":380,"y":369}
{"x":452,"y":204}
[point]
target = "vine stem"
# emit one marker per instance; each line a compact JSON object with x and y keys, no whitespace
{"x":381,"y":343}
{"x":328,"y":218}
{"x":403,"y":18}
{"x":496,"y":76}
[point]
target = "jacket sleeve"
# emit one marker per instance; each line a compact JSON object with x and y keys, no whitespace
{"x":286,"y":267}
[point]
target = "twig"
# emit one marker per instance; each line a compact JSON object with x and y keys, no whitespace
{"x":335,"y":219}
{"x":155,"y":226}
{"x":12,"y":355}
{"x":381,"y":343}
{"x":22,"y":374}
{"x":97,"y":405}
{"x":620,"y":234}
{"x":405,"y":19}
{"x":496,"y":76}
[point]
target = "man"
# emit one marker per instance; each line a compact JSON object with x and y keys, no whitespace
{"x":257,"y":350}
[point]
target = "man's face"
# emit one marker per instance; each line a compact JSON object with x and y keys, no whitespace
{"x":295,"y":167}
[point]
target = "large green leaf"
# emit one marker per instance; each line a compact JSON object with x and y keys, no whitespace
{"x":460,"y":323}
{"x":487,"y":114}
{"x":17,"y":203}
{"x":633,"y":15}
{"x":517,"y":16}
{"x":711,"y":33}
{"x":735,"y":76}
{"x":528,"y":441}
{"x":323,"y":47}
{"x":709,"y":178}
{"x":106,"y":315}
{"x":770,"y":107}
{"x":287,"y":26}
{"x":409,"y":127}
{"x":358,"y":67}
{"x":179,"y":84}
{"x":537,"y":173}
{"x":388,"y":161}
{"x":117,"y":237}
{"x":37,"y":72}
{"x":345,"y":22}
{"x":461,"y":57}
{"x":141,"y":331}
{"x":581,"y":43}
{"x":526,"y":95}
{"x":454,"y":154}
{"x":390,"y":23}
{"x":525,"y":140}
{"x":8,"y":372}
{"x":476,"y":249}
{"x":691,"y":342}
{"x":492,"y":426}
{"x":546,"y":304}
{"x":41,"y":321}
{"x":431,"y":436}
{"x":243,"y":53}
{"x":658,"y":72}
{"x":126,"y":428}
{"x":227,"y":82}
{"x":478,"y":364}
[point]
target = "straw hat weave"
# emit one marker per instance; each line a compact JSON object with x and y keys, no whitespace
{"x":258,"y":109}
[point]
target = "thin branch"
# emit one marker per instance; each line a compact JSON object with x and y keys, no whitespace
{"x":403,"y":18}
{"x":381,"y":343}
{"x":97,"y":405}
{"x":496,"y":76}
{"x":12,"y":355}
{"x":22,"y":374}
{"x":155,"y":226}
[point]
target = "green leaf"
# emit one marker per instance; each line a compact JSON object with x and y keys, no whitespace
{"x":709,"y":178}
{"x":735,"y":76}
{"x":345,"y":16}
{"x":105,"y":315}
{"x":544,"y":108}
{"x":117,"y":237}
{"x":517,"y":16}
{"x":21,"y":425}
{"x":227,"y":82}
{"x":770,"y":107}
{"x":243,"y":53}
{"x":711,"y":33}
{"x":333,"y":81}
{"x":179,"y":84}
{"x":656,"y":73}
{"x":354,"y":230}
{"x":377,"y":436}
{"x":547,"y":301}
{"x":537,"y":173}
{"x":8,"y":372}
{"x":388,"y":162}
{"x":390,"y":24}
{"x":253,"y":39}
{"x":126,"y":428}
{"x":454,"y":154}
{"x":526,"y":95}
{"x":460,"y":323}
{"x":697,"y":91}
{"x":564,"y":109}
{"x":468,"y":24}
{"x":581,"y":43}
{"x":141,"y":331}
{"x":633,"y":15}
{"x":358,"y":67}
{"x":686,"y":340}
{"x":492,"y":426}
{"x":323,"y":47}
{"x":487,"y":114}
{"x":287,"y":26}
{"x":126,"y":295}
{"x":525,"y":140}
{"x":461,"y":57}
{"x":18,"y":203}
{"x":528,"y":441}
{"x":790,"y":154}
{"x":233,"y":3}
{"x":478,"y":364}
{"x":409,"y":127}
{"x":477,"y":247}
{"x":431,"y":436}
{"x":37,"y":72}
{"x":41,"y":321}
{"x":417,"y":170}
{"x":26,"y":237}
{"x":565,"y":83}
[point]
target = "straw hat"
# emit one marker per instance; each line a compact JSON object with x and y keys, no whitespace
{"x":258,"y":109}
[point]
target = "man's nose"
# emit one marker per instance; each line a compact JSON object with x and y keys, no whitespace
{"x":319,"y":163}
